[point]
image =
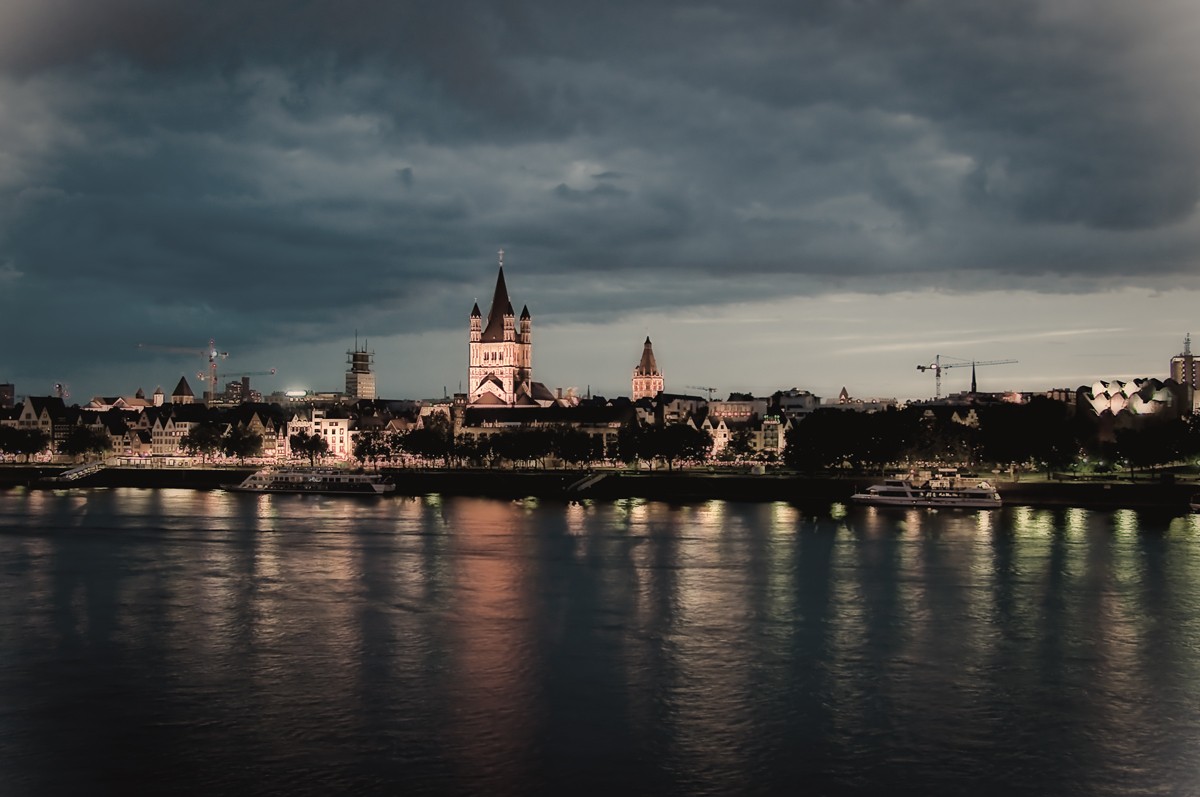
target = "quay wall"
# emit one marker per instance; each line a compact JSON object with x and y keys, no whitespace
{"x":686,"y":486}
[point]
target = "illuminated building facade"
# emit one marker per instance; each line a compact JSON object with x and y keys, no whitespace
{"x":647,"y":379}
{"x":501,"y":352}
{"x":1136,"y":397}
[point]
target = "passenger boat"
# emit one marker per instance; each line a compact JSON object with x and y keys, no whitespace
{"x":317,"y":481}
{"x":941,"y":491}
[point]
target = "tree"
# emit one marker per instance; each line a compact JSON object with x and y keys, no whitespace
{"x":429,"y":442}
{"x":240,"y":442}
{"x":575,"y":446}
{"x":1050,"y":437}
{"x":468,"y":449}
{"x":84,"y":440}
{"x":825,"y":439}
{"x":680,"y":441}
{"x":528,"y":445}
{"x":23,"y":441}
{"x":312,"y":446}
{"x":203,"y":440}
{"x":628,"y":448}
{"x":370,"y":446}
{"x":741,"y":444}
{"x":1150,"y":444}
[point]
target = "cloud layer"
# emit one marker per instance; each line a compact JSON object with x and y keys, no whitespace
{"x":272,"y":174}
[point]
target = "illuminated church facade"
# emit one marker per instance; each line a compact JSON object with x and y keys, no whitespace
{"x":501,"y":356}
{"x":647,"y":379}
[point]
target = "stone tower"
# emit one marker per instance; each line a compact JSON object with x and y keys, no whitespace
{"x":501,"y":351}
{"x":647,"y":379}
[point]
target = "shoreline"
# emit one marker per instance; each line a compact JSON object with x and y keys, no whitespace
{"x":677,"y":486}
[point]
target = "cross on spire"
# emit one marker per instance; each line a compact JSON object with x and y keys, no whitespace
{"x":501,"y":258}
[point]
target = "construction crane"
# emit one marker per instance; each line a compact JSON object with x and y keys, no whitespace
{"x":211,"y":353}
{"x":937,"y":366}
{"x":709,"y":390}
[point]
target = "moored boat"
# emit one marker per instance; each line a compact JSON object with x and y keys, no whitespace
{"x":313,"y":480}
{"x":943,"y":491}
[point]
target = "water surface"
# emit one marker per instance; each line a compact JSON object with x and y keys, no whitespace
{"x":175,"y":641}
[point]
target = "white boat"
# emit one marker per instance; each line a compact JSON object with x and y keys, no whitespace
{"x":314,"y":480}
{"x":942,"y":491}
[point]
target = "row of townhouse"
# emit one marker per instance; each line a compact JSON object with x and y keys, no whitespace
{"x":157,"y":431}
{"x":766,"y":435}
{"x":145,"y":429}
{"x":140,"y":428}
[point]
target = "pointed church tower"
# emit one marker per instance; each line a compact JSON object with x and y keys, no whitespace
{"x":501,"y":361}
{"x":183,"y":393}
{"x":647,"y":379}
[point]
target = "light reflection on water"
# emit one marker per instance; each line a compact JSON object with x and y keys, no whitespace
{"x":206,"y":641}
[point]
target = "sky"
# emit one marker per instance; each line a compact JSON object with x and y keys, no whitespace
{"x":778,"y":194}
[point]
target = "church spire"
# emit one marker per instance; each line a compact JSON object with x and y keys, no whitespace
{"x":647,"y":379}
{"x":501,"y":306}
{"x":647,"y":367}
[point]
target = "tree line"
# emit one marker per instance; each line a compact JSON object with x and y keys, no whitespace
{"x":1042,"y":434}
{"x":535,"y":446}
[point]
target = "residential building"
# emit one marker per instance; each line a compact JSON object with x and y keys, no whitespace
{"x":335,"y":429}
{"x":845,"y":401}
{"x":738,"y":408}
{"x":796,"y":403}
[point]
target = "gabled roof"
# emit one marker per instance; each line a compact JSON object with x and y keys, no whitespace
{"x":475,"y":311}
{"x":489,"y":398}
{"x":53,"y":405}
{"x":183,"y":388}
{"x":501,"y":307}
{"x":152,"y":414}
{"x":540,"y":392}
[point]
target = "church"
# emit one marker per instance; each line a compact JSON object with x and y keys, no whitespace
{"x":501,"y":363}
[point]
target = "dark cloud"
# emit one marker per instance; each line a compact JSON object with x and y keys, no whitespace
{"x":273,"y":171}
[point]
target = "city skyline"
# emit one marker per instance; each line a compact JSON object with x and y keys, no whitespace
{"x":816,"y":197}
{"x":896,"y":352}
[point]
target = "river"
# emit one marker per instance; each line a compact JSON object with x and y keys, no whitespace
{"x":203,"y":642}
